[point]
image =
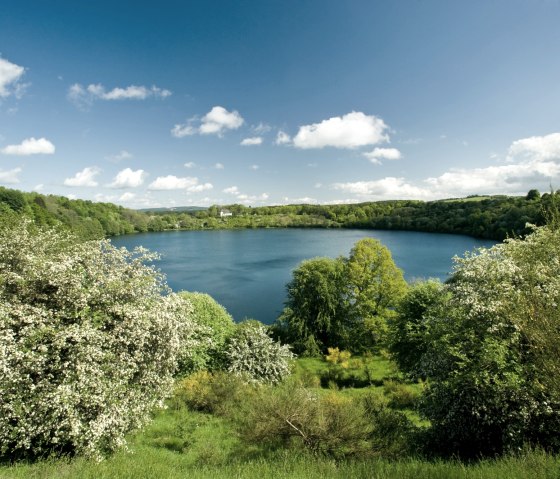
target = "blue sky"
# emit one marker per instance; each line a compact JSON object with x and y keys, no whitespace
{"x":267,"y":102}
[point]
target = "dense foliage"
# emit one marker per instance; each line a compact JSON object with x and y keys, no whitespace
{"x":212,"y":325}
{"x":493,"y":217}
{"x":489,"y":347}
{"x":251,"y":353}
{"x":343,"y":302}
{"x":88,"y":342}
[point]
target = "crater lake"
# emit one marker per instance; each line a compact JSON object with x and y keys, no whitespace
{"x":247,"y":270}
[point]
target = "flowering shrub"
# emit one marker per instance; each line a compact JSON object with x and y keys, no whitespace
{"x":88,"y":342}
{"x":493,"y":358}
{"x":252,"y":353}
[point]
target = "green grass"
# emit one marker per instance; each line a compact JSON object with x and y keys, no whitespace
{"x":183,"y":444}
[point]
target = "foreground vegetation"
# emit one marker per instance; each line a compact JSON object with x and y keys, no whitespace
{"x":493,"y":217}
{"x":392,"y":380}
{"x":183,"y":440}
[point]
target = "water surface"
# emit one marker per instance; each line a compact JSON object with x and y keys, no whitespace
{"x":247,"y":270}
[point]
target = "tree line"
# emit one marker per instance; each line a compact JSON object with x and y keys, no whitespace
{"x":491,"y":217}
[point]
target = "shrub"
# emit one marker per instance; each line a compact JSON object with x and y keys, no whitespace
{"x":493,"y":358}
{"x":251,"y":353}
{"x":213,"y":325}
{"x":218,"y":393}
{"x":88,"y":343}
{"x":291,"y":415}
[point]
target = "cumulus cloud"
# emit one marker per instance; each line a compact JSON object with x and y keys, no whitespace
{"x":254,"y":167}
{"x":282,"y":138}
{"x":171,"y":182}
{"x":255,"y":140}
{"x":10,"y":176}
{"x":541,"y":148}
{"x":86,"y":177}
{"x":379,"y":154}
{"x":189,"y":164}
{"x":215,"y":122}
{"x":219,"y":166}
{"x":352,"y":130}
{"x":10,"y":76}
{"x":389,"y":187}
{"x":30,"y":146}
{"x":532,"y":162}
{"x":84,"y":96}
{"x":128,"y":178}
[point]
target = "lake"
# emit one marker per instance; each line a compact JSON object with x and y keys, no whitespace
{"x":247,"y":270}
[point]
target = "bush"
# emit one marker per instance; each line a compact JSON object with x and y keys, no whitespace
{"x":493,"y":358}
{"x":218,"y":393}
{"x":88,"y":343}
{"x":251,"y":353}
{"x":294,"y":416}
{"x":213,"y":325}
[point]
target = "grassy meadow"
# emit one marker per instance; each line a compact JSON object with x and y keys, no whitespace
{"x":183,"y":442}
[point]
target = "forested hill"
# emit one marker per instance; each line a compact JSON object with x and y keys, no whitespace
{"x":494,"y":217}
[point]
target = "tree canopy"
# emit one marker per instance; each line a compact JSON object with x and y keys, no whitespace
{"x":343,"y":302}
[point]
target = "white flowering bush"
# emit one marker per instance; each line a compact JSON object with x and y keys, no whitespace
{"x":493,"y":356}
{"x":89,"y":336}
{"x":251,"y":353}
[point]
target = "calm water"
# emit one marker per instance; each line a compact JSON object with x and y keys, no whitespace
{"x":247,"y":270}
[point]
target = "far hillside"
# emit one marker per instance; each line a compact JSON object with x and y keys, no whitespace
{"x":491,"y":217}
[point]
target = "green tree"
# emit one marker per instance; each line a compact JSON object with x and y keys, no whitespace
{"x":409,"y":329}
{"x":374,"y":286}
{"x":315,"y":309}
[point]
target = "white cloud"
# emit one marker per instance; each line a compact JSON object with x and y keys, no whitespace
{"x":190,"y":164}
{"x":171,"y":182}
{"x":200,"y":187}
{"x":254,"y":167}
{"x":215,"y":122}
{"x":86,"y":177}
{"x":261,"y":128}
{"x":282,"y":138}
{"x":244,"y":198}
{"x":385,"y":188}
{"x":30,"y":146}
{"x":533,"y":162}
{"x":232,"y":190}
{"x":84,"y":96}
{"x":179,"y":131}
{"x":219,"y":166}
{"x":120,"y":156}
{"x":128,"y":196}
{"x":542,"y":148}
{"x":39,"y":187}
{"x":255,"y":140}
{"x":379,"y":154}
{"x":10,"y":76}
{"x":10,"y":176}
{"x":352,"y":130}
{"x":299,"y":201}
{"x":128,"y":178}
{"x":250,"y":199}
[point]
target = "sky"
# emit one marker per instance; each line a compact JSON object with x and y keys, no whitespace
{"x":263,"y":102}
